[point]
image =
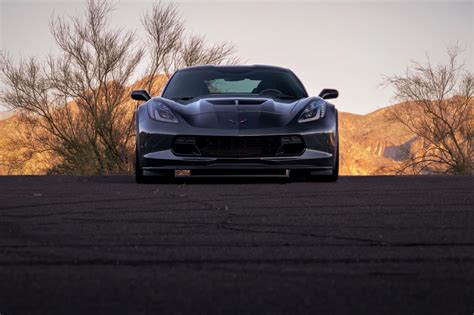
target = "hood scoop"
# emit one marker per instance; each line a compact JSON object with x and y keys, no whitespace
{"x":243,"y":101}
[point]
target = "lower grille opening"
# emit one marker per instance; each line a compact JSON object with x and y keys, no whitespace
{"x":238,"y":147}
{"x":186,"y":146}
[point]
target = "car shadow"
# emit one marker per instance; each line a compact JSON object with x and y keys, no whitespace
{"x":231,"y":180}
{"x":218,"y":180}
{"x":193,"y":180}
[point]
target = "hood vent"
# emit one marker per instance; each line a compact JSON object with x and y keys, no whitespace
{"x":243,"y":101}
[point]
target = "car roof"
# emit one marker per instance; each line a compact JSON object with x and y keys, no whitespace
{"x":234,"y":68}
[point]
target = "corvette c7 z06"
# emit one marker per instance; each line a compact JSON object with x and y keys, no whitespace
{"x":234,"y":120}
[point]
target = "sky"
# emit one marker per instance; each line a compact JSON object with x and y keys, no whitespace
{"x":346,"y":45}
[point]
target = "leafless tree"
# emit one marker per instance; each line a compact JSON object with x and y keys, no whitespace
{"x":75,"y":105}
{"x":164,"y":28}
{"x":194,"y":51}
{"x":169,"y":49}
{"x":438,"y":110}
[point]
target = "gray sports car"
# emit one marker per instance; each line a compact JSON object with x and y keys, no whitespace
{"x":236,"y":120}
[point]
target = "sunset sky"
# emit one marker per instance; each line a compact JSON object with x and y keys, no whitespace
{"x":347,"y":45}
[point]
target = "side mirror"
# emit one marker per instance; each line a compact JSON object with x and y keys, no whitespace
{"x":328,"y":94}
{"x":140,"y":95}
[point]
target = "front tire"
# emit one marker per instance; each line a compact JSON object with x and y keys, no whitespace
{"x":306,"y":175}
{"x":335,"y":171}
{"x":139,"y":177}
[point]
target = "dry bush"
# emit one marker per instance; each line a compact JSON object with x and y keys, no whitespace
{"x":439,"y":112}
{"x":75,"y":107}
{"x":170,"y":49}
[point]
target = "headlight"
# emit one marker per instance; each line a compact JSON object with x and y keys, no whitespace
{"x":161,"y":112}
{"x":314,"y":111}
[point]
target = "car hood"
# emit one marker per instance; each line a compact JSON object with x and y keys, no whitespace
{"x":236,"y":112}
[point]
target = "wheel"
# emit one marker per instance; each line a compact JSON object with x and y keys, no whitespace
{"x":161,"y":176}
{"x":334,"y":173}
{"x":335,"y":170}
{"x":139,"y":177}
{"x":306,"y":175}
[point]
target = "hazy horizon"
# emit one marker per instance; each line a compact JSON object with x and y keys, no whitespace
{"x":344,"y":45}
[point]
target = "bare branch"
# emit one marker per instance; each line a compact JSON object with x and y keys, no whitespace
{"x":438,"y":109}
{"x":77,"y":103}
{"x":169,"y":49}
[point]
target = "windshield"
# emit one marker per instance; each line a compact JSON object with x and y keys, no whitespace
{"x":188,"y":84}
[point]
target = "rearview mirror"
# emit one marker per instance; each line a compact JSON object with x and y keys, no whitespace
{"x":328,"y":94}
{"x":140,"y":95}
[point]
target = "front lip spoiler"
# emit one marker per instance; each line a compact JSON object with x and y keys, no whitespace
{"x":314,"y":170}
{"x":235,"y":166}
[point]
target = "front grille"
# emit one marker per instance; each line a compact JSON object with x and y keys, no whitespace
{"x":238,"y":147}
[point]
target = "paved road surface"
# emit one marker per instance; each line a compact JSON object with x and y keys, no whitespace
{"x":380,"y":245}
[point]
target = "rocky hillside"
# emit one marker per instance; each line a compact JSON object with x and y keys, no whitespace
{"x":15,"y":160}
{"x":370,"y":145}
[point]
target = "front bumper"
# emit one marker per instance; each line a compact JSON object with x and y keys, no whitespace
{"x":155,"y":142}
{"x":156,"y":155}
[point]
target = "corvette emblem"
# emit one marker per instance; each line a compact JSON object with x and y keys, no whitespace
{"x":238,"y":123}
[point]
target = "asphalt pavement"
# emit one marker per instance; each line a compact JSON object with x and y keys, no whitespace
{"x":363,"y":245}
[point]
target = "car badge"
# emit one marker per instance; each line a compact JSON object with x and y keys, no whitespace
{"x":238,"y":123}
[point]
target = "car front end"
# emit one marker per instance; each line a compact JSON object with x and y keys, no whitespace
{"x":236,"y":120}
{"x":239,"y":139}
